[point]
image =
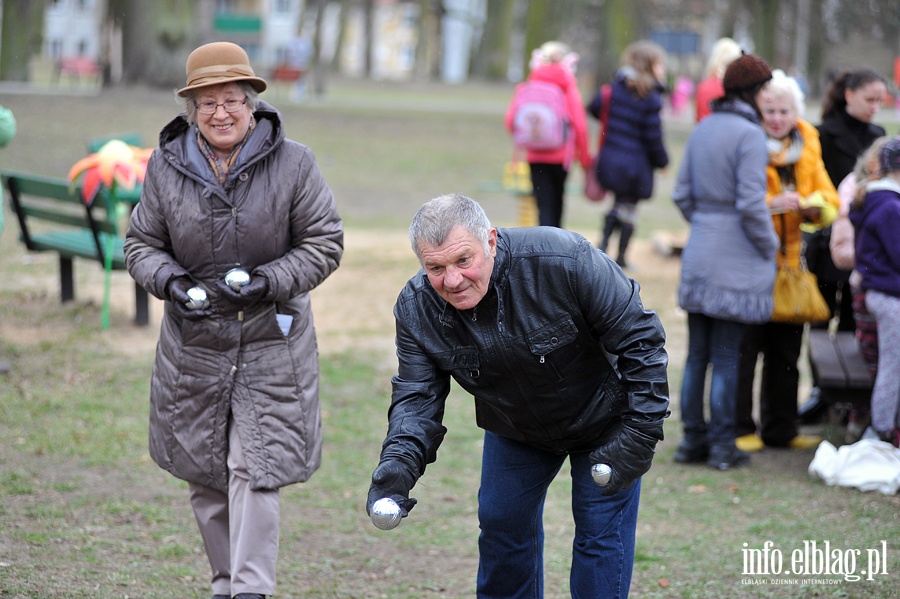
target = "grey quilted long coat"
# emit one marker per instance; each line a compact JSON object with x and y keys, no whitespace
{"x":275,"y":215}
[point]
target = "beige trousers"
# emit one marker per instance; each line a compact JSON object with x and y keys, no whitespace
{"x":239,"y":529}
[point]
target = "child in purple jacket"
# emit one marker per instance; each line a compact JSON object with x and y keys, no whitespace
{"x":875,"y":215}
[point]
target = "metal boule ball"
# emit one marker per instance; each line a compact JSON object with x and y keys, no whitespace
{"x":237,"y":278}
{"x":198,"y":300}
{"x":601,"y":474}
{"x":386,"y":514}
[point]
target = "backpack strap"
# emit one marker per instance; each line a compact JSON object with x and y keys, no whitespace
{"x":606,"y":100}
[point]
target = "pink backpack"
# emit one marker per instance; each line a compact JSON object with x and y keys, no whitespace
{"x":541,"y":119}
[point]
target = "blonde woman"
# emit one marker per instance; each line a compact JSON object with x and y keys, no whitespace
{"x":724,"y":51}
{"x":799,"y":191}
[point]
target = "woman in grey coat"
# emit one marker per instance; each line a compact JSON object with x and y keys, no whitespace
{"x":728,"y":265}
{"x":234,"y":395}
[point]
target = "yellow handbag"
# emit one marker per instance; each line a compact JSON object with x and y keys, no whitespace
{"x":797,"y":296}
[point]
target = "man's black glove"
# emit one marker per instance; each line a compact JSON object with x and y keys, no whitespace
{"x":176,"y":292}
{"x":252,"y":292}
{"x":392,"y":478}
{"x":629,"y":455}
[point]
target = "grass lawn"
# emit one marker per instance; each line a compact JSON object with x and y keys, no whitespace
{"x":85,"y":513}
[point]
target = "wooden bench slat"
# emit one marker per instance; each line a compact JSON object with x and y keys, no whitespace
{"x":840,"y":371}
{"x":826,"y":361}
{"x":79,"y":244}
{"x":858,"y":376}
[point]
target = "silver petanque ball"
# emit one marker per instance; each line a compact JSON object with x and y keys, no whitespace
{"x":237,"y":278}
{"x":601,"y":474}
{"x":386,"y":514}
{"x":198,"y":299}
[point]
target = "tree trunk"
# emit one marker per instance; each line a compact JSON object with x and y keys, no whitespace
{"x":428,"y":47}
{"x":319,"y":71}
{"x":156,"y":38}
{"x":619,"y":17}
{"x":765,"y":28}
{"x":369,"y":45}
{"x":492,"y":58}
{"x":20,"y":38}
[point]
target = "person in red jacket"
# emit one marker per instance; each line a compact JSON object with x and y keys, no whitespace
{"x":724,"y":51}
{"x":555,"y":63}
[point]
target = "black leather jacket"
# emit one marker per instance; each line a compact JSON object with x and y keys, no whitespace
{"x":559,"y":354}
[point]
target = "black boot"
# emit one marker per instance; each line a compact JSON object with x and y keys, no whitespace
{"x":692,"y":451}
{"x":727,"y":457}
{"x":612,"y":221}
{"x":624,"y":237}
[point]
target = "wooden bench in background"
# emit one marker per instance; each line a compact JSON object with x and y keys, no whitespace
{"x":842,"y":375}
{"x":54,"y":218}
{"x":78,"y":67}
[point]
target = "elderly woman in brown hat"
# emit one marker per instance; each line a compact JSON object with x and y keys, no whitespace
{"x":235,"y":226}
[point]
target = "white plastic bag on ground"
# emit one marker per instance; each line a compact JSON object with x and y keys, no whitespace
{"x":868,"y":465}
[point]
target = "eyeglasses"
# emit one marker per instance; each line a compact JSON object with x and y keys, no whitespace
{"x":212,"y":107}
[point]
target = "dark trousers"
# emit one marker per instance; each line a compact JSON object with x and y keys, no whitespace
{"x":779,"y":345}
{"x":514,"y":482}
{"x":549,"y":184}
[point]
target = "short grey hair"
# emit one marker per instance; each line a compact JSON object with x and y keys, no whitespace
{"x":783,"y":86}
{"x":436,"y":218}
{"x":190,"y":98}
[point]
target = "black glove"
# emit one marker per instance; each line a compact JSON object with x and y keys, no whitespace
{"x":393,"y":479}
{"x":249,"y":294}
{"x":256,"y":289}
{"x":629,"y":455}
{"x":176,"y":292}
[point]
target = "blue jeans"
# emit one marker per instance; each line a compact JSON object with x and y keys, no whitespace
{"x":514,"y":481}
{"x":715,"y":342}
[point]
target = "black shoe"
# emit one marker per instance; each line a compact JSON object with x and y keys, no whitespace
{"x":725,"y":458}
{"x":249,"y":596}
{"x":815,"y":408}
{"x":690,"y":453}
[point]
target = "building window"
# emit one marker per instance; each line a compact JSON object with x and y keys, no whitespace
{"x":56,"y":46}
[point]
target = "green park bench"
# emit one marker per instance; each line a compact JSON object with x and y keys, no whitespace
{"x":132,"y":138}
{"x":54,"y":218}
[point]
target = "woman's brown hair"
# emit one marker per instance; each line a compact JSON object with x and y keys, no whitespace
{"x":642,"y":56}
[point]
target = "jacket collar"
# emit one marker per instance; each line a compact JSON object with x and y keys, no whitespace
{"x":267,"y":135}
{"x":883,"y":185}
{"x":735,"y":106}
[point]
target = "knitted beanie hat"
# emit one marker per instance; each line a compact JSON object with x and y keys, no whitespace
{"x":746,"y":72}
{"x":889,"y":159}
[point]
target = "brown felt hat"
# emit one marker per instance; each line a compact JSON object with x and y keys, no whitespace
{"x":219,"y":62}
{"x":746,"y":72}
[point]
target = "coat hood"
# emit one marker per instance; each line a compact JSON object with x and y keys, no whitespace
{"x":553,"y":73}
